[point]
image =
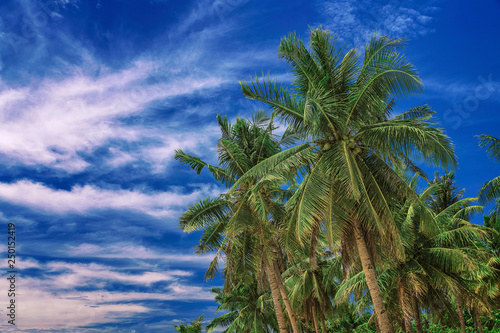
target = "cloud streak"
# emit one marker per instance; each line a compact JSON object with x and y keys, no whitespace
{"x":82,"y":199}
{"x":52,"y":123}
{"x":54,"y":303}
{"x":131,"y":251}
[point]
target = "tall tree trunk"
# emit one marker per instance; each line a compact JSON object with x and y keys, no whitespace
{"x":371,"y":280}
{"x":377,"y":324}
{"x":408,"y":327}
{"x":460,"y":310}
{"x":276,"y":297}
{"x":282,"y":290}
{"x":477,"y":321}
{"x":416,"y":314}
{"x":315,"y":318}
{"x":313,"y":262}
{"x":406,"y":315}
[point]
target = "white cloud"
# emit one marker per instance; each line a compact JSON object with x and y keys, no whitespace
{"x":45,"y":310}
{"x":81,"y":199}
{"x":131,"y":251}
{"x":52,"y":122}
{"x":52,"y":302}
{"x":485,"y":87}
{"x":356,"y":21}
{"x":198,"y":143}
{"x":73,"y":275}
{"x":76,"y":109}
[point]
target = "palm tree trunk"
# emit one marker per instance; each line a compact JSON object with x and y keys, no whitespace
{"x":416,"y":314}
{"x":276,"y":297}
{"x":404,"y":307}
{"x":282,"y":290}
{"x":408,"y":325}
{"x":477,"y":321}
{"x":315,"y":319}
{"x":407,"y":319}
{"x":460,"y":310}
{"x":371,"y":280}
{"x":322,"y":316}
{"x":377,"y":324}
{"x":313,"y":262}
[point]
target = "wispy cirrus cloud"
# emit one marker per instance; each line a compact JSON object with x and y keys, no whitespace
{"x":81,"y":199}
{"x":53,"y":301}
{"x":133,"y":251}
{"x":71,"y":275}
{"x":52,"y":123}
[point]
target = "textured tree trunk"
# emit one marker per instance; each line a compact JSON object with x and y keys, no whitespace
{"x":408,"y":327}
{"x":477,"y":321}
{"x":377,"y":324}
{"x":371,"y":280}
{"x":323,"y":328}
{"x":460,"y":310}
{"x":276,"y":298}
{"x":313,"y":262}
{"x":416,"y":314}
{"x":407,"y":318}
{"x":288,"y":306}
{"x":315,"y":319}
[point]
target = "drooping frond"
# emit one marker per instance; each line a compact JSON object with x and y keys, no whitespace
{"x":413,"y":137}
{"x":490,"y":191}
{"x":491,"y":144}
{"x":289,"y":108}
{"x":204,"y":213}
{"x":195,"y":163}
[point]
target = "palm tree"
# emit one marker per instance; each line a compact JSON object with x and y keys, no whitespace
{"x":341,"y":106}
{"x":193,"y":327}
{"x":454,"y":211}
{"x":248,"y":311}
{"x":310,"y":293}
{"x":243,"y":225}
{"x":490,"y":192}
{"x":435,"y":260}
{"x":446,"y":192}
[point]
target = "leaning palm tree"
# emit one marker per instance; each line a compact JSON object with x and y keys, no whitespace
{"x":243,"y":226}
{"x":435,"y":260}
{"x":341,"y":106}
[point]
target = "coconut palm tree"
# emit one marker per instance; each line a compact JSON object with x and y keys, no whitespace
{"x":194,"y":327}
{"x":248,"y":311}
{"x":341,"y":105}
{"x":490,"y":192}
{"x":438,"y":261}
{"x":243,"y":226}
{"x":454,"y":212}
{"x":310,"y":293}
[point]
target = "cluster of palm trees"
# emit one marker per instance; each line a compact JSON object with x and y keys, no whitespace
{"x":328,"y":228}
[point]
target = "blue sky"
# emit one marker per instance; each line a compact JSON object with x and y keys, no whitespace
{"x":96,"y":95}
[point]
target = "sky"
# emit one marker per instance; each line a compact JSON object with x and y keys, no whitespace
{"x":96,"y":95}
